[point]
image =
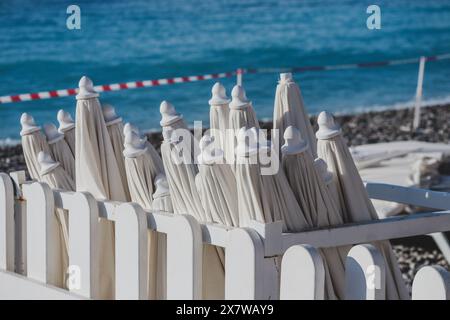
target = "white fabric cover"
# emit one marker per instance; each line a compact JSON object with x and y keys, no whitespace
{"x":218,"y":188}
{"x":58,"y":178}
{"x":313,"y":197}
{"x":32,"y":144}
{"x":186,"y":200}
{"x":115,"y":132}
{"x":289,"y":110}
{"x":252,"y":198}
{"x":61,"y":152}
{"x":141,"y":172}
{"x":355,"y":206}
{"x":69,"y":136}
{"x":97,"y":172}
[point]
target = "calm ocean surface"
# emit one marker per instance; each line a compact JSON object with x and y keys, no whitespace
{"x":123,"y":41}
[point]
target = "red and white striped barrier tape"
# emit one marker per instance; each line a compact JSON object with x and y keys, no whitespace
{"x":113,"y":87}
{"x":167,"y":81}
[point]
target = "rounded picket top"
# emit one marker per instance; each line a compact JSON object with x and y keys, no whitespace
{"x":431,"y":283}
{"x":365,"y":274}
{"x":302,"y":274}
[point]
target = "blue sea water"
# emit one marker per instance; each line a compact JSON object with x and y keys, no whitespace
{"x":131,"y":40}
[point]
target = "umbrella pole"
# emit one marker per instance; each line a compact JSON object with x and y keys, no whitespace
{"x":239,"y":73}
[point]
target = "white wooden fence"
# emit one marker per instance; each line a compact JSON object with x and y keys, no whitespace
{"x":28,"y":246}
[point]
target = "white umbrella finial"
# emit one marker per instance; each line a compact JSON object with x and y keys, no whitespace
{"x":285,"y":77}
{"x":168,"y":114}
{"x":219,"y":95}
{"x":128,"y":127}
{"x":65,"y":121}
{"x":327,"y":127}
{"x":238,"y":98}
{"x":209,"y":155}
{"x":133,"y":145}
{"x":86,"y":89}
{"x":322,"y":169}
{"x":293,"y":141}
{"x":110,"y":115}
{"x":52,"y":133}
{"x":28,"y":124}
{"x":46,"y":163}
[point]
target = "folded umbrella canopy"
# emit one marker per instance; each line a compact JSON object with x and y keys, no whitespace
{"x":33,"y":141}
{"x":97,"y":172}
{"x":67,"y":127}
{"x":218,"y":184}
{"x":282,"y":201}
{"x":115,"y":130}
{"x":353,"y":200}
{"x":313,"y":197}
{"x":241,"y":115}
{"x":289,"y":110}
{"x":181,"y":170}
{"x":264,"y":198}
{"x":141,"y":173}
{"x":252,"y":198}
{"x":57,"y":178}
{"x":179,"y":164}
{"x":218,"y":115}
{"x":59,"y":149}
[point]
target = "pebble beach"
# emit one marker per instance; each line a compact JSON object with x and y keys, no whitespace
{"x":363,"y":128}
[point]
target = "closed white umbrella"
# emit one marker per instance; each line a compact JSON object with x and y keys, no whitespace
{"x":180,"y":170}
{"x":218,"y":115}
{"x":115,"y":130}
{"x":353,"y":200}
{"x":264,"y":198}
{"x":67,"y":127}
{"x":218,"y":184}
{"x":282,"y":200}
{"x":252,"y":197}
{"x":59,"y":149}
{"x":181,"y":173}
{"x":140,"y":170}
{"x":141,"y":173}
{"x":33,"y":141}
{"x":289,"y":110}
{"x":95,"y":164}
{"x":97,"y":172}
{"x":57,"y":178}
{"x":241,"y":115}
{"x":313,"y":197}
